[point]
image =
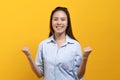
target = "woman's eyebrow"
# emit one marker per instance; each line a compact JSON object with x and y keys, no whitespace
{"x":58,"y":17}
{"x":55,"y":17}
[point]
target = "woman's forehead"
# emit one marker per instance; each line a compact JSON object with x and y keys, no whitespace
{"x":59,"y":14}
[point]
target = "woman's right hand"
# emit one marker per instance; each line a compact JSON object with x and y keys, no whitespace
{"x":34,"y":67}
{"x":26,"y":50}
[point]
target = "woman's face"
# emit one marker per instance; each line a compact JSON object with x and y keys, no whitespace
{"x":59,"y":22}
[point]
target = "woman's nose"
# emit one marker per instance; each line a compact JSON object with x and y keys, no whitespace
{"x":59,"y":22}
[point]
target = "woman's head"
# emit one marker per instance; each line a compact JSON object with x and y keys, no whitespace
{"x":60,"y":21}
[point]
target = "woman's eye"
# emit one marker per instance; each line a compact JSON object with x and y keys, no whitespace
{"x":55,"y":19}
{"x":63,"y":19}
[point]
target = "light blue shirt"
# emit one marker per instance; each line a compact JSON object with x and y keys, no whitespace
{"x":59,"y":63}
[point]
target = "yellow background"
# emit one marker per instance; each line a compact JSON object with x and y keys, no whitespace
{"x":26,"y":22}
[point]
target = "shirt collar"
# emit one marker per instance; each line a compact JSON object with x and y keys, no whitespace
{"x":68,"y":39}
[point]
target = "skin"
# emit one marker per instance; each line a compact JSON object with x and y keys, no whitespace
{"x":59,"y":24}
{"x":81,"y":70}
{"x":34,"y":67}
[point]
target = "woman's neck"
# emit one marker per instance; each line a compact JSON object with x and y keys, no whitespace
{"x":59,"y":37}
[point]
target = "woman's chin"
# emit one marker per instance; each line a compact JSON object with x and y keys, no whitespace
{"x":60,"y":32}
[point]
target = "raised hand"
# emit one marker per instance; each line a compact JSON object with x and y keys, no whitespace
{"x":26,"y":50}
{"x":87,"y":51}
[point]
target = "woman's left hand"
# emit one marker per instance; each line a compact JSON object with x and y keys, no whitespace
{"x":87,"y":51}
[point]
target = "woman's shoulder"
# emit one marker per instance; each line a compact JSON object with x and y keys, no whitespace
{"x":45,"y":41}
{"x":73,"y":40}
{"x":76,"y":42}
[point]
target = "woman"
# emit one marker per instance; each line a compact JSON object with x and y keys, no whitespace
{"x":60,"y":56}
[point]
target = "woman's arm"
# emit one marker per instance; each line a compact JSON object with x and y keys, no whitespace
{"x":81,"y":70}
{"x":34,"y":67}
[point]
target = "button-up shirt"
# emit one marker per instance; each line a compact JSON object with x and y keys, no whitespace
{"x":59,"y":63}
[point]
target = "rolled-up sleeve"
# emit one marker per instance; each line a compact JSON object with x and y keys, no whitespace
{"x":39,"y":58}
{"x":78,"y":59}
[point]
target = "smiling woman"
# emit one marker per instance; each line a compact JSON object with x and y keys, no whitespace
{"x":59,"y":22}
{"x":60,"y":56}
{"x":26,"y":22}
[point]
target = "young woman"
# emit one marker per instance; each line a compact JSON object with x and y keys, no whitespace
{"x":60,"y":56}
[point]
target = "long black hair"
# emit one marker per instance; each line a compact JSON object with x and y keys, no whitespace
{"x":69,"y":27}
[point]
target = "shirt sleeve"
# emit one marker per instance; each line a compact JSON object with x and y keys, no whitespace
{"x":78,"y":59}
{"x":39,"y":58}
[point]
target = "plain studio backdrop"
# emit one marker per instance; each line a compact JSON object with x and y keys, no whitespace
{"x":26,"y":22}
